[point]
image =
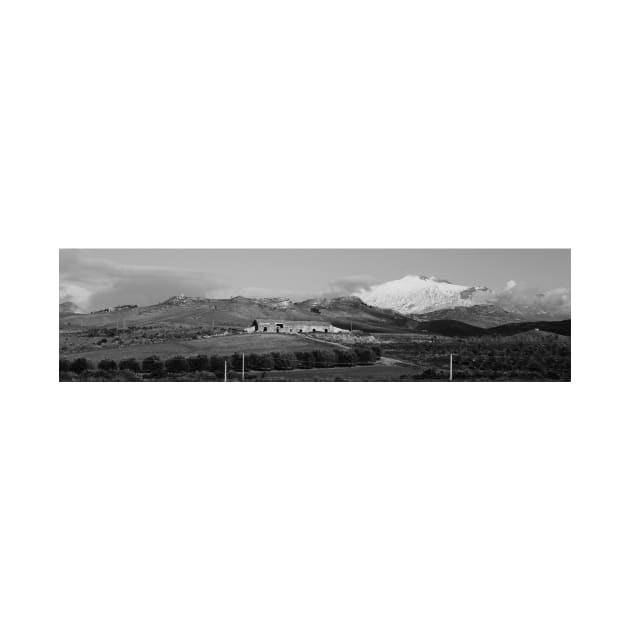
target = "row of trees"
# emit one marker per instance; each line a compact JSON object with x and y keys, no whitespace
{"x":362,"y":355}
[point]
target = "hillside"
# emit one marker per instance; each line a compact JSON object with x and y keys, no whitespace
{"x":482,"y":315}
{"x":68,"y":308}
{"x":421,"y":294}
{"x":344,"y":312}
{"x":451,"y":328}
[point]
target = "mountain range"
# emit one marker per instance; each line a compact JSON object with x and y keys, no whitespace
{"x":418,"y":295}
{"x":409,"y":304}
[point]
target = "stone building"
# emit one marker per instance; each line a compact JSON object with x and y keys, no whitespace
{"x":291,"y":327}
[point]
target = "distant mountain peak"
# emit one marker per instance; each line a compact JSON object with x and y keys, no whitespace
{"x":420,"y":294}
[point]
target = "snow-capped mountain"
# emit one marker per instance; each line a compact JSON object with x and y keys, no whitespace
{"x":422,"y":294}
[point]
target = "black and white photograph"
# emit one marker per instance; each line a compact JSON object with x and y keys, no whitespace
{"x":314,"y":315}
{"x":315,"y":365}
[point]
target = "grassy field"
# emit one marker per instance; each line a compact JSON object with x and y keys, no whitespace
{"x":530,"y":357}
{"x":223,"y":345}
{"x":379,"y":372}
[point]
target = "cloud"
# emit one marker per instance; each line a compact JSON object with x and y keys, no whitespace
{"x":517,"y":297}
{"x":93,"y":283}
{"x":349,"y":284}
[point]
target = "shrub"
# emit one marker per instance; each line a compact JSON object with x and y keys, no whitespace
{"x":305,"y":359}
{"x":107,"y":365}
{"x":102,"y":375}
{"x":127,"y":375}
{"x":345,"y":357}
{"x":80,"y":365}
{"x":324,"y":358}
{"x":130,"y":365}
{"x":65,"y":376}
{"x":207,"y":376}
{"x":266,"y":362}
{"x":284,"y":360}
{"x":217,"y":363}
{"x":260,"y":362}
{"x":236,"y":361}
{"x":152,"y":364}
{"x":365,"y":355}
{"x":199,"y":363}
{"x":430,"y":374}
{"x":177,"y":364}
{"x":64,"y":365}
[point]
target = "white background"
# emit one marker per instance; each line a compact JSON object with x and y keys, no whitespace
{"x":329,"y":124}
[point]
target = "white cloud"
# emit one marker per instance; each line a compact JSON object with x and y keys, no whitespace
{"x":94,"y":284}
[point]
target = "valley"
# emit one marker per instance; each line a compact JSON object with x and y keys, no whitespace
{"x":195,"y":338}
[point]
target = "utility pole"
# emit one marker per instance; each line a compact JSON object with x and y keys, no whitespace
{"x":225,"y":372}
{"x":243,"y":368}
{"x":450,"y":378}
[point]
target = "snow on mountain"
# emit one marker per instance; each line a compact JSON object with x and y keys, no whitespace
{"x":421,"y":294}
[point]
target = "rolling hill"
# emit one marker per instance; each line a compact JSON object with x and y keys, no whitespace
{"x":452,"y":328}
{"x":482,"y":315}
{"x":344,"y":312}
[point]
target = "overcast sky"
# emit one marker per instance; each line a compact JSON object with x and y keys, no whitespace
{"x":95,"y":278}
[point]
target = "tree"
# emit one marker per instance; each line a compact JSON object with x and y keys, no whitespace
{"x":177,"y":364}
{"x":284,"y":360}
{"x":265,"y":362}
{"x":152,"y":364}
{"x":107,"y":365}
{"x":236,"y":361}
{"x":217,"y":363}
{"x":199,"y":363}
{"x":64,"y":365}
{"x":80,"y":365}
{"x":260,"y":362}
{"x":365,"y":355}
{"x":345,"y":357}
{"x":324,"y":358}
{"x":305,"y":359}
{"x":131,"y":365}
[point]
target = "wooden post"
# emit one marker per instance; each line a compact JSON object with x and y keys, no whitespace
{"x":225,"y":372}
{"x":243,"y":368}
{"x":450,"y":378}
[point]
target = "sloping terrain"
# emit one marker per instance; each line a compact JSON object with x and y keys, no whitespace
{"x":482,"y":315}
{"x":451,"y":328}
{"x":68,"y":308}
{"x":559,"y":328}
{"x":420,"y":294}
{"x":223,"y":344}
{"x":240,"y":312}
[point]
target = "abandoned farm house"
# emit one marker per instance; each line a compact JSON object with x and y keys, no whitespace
{"x":291,"y":327}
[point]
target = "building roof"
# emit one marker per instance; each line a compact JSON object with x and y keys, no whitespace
{"x":294,"y":323}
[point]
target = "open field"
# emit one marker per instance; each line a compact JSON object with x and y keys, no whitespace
{"x":222,"y":345}
{"x":539,"y":356}
{"x":378,"y":372}
{"x":528,"y":356}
